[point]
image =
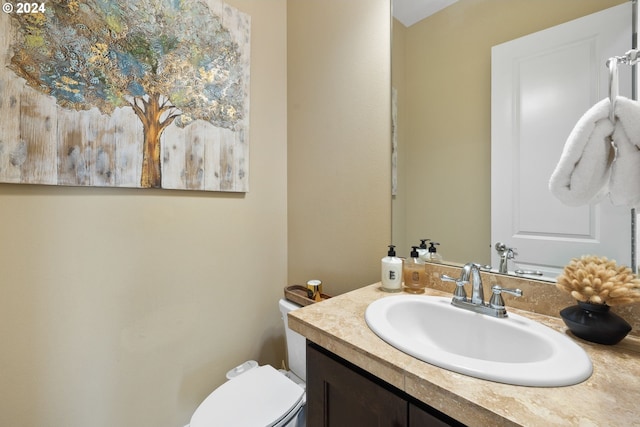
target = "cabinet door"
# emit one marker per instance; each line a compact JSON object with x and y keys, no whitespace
{"x":419,"y":417}
{"x":337,"y":396}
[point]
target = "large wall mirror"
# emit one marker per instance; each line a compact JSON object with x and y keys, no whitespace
{"x":442,"y":83}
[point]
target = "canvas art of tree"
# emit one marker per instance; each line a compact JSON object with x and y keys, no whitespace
{"x":112,"y":91}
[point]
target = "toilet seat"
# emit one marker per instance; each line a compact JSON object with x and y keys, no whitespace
{"x":261,"y":396}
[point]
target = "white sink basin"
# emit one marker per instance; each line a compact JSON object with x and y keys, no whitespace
{"x":513,"y":350}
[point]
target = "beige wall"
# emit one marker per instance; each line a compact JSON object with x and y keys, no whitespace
{"x":399,"y":201}
{"x":123,"y":308}
{"x":126,"y":307}
{"x":339,"y":141}
{"x":447,"y":106}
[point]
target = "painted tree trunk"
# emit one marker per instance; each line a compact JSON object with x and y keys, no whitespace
{"x":151,"y":176}
{"x":150,"y":113}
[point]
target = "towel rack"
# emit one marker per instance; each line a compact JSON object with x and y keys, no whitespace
{"x":612,"y":64}
{"x":631,"y":57}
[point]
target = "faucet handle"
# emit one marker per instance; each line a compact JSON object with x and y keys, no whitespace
{"x":496,"y":299}
{"x":459,"y":293}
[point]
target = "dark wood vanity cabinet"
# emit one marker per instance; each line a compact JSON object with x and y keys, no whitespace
{"x":339,"y":394}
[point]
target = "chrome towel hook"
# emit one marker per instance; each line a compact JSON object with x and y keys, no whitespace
{"x":631,"y":57}
{"x":612,"y":64}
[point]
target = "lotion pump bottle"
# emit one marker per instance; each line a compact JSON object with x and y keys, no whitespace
{"x":391,"y":272}
{"x":434,"y":256}
{"x":414,"y":273}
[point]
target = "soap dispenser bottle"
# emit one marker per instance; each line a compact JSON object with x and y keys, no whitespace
{"x":414,"y":273}
{"x":433,"y":255}
{"x":391,"y":272}
{"x":423,"y":252}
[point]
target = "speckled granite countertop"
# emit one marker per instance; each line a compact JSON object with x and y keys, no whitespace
{"x":610,"y":397}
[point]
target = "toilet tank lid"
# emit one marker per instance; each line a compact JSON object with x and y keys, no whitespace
{"x":287,"y":306}
{"x":261,"y":396}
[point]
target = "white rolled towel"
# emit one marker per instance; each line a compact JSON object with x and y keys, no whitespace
{"x":582,"y":174}
{"x":624,"y":184}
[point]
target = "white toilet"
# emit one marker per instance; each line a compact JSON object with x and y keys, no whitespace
{"x":260,"y":396}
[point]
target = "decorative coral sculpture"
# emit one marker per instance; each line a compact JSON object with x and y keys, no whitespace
{"x":597,"y":280}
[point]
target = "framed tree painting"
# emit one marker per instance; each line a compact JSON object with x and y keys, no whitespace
{"x":145,"y":93}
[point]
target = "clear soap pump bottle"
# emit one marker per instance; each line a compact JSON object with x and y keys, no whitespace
{"x":433,"y":255}
{"x":391,"y":272}
{"x":414,"y":273}
{"x":423,"y":252}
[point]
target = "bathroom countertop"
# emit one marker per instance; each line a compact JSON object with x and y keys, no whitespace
{"x":609,"y":397}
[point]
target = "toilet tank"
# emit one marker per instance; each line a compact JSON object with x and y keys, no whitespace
{"x":296,"y":344}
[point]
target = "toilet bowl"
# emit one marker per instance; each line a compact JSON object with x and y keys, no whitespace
{"x":260,"y":396}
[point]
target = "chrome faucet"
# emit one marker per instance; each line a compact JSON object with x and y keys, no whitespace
{"x":505,"y":255}
{"x":494,"y":308}
{"x":472,"y":271}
